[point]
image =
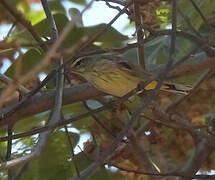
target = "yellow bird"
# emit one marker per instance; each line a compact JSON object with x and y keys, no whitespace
{"x":117,"y":78}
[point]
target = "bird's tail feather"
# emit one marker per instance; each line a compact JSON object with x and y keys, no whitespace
{"x":176,"y":88}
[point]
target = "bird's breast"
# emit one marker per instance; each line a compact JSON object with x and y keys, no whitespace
{"x":116,"y":83}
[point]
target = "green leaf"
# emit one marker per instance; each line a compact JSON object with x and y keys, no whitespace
{"x":21,"y":35}
{"x":207,"y":8}
{"x":105,"y":174}
{"x":29,"y":60}
{"x":61,"y":20}
{"x":57,"y":7}
{"x":83,"y":124}
{"x":111,"y":38}
{"x":74,"y":110}
{"x":82,"y":161}
{"x":131,"y":56}
{"x":54,"y":161}
{"x":31,"y":122}
{"x":3,"y":147}
{"x":129,"y":25}
{"x":81,"y":2}
{"x":42,"y":27}
{"x":164,"y":13}
{"x":102,"y":173}
{"x":35,"y":16}
{"x":155,"y":51}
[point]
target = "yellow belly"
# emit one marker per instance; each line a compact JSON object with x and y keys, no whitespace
{"x":117,"y":84}
{"x":116,"y":87}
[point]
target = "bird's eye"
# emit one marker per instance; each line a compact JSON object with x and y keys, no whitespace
{"x":77,"y":63}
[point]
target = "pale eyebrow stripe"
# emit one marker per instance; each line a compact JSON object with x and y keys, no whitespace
{"x":77,"y":60}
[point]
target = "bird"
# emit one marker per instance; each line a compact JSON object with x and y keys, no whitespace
{"x":114,"y":76}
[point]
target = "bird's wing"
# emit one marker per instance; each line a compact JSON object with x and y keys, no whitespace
{"x":176,"y":88}
{"x":135,"y":70}
{"x":144,"y":75}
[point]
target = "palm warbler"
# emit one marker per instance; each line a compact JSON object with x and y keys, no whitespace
{"x":118,"y":77}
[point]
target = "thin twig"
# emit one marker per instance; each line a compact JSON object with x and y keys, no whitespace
{"x":199,"y":42}
{"x":173,"y":37}
{"x":55,"y":115}
{"x":43,"y":136}
{"x":185,"y":58}
{"x":72,"y":151}
{"x":141,"y":150}
{"x":18,"y":16}
{"x":202,"y":79}
{"x":98,"y":121}
{"x":9,"y":142}
{"x":120,"y":2}
{"x":201,"y":14}
{"x":140,"y":35}
{"x":50,"y":20}
{"x":48,"y":99}
{"x":108,"y":154}
{"x":51,"y":53}
{"x":54,"y":118}
{"x":49,"y":127}
{"x":163,"y":74}
{"x":202,"y":150}
{"x":189,"y":23}
{"x":176,"y":174}
{"x":160,"y":33}
{"x":10,"y":31}
{"x":97,"y":35}
{"x":22,"y":170}
{"x":115,"y":7}
{"x":56,"y":111}
{"x":47,"y":59}
{"x":36,"y":104}
{"x":178,"y":120}
{"x":8,"y":80}
{"x":9,"y":149}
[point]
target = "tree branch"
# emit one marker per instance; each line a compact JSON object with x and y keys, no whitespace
{"x":140,"y":35}
{"x":47,"y":59}
{"x":18,"y":16}
{"x":86,"y":173}
{"x":201,"y":152}
{"x":43,"y":102}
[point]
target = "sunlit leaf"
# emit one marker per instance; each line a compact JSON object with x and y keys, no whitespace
{"x":56,"y":7}
{"x":111,"y":38}
{"x":31,"y":122}
{"x":206,"y":6}
{"x":35,"y":16}
{"x":29,"y":60}
{"x":81,"y":2}
{"x":54,"y":161}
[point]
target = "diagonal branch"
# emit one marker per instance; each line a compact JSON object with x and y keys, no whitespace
{"x":47,"y":59}
{"x":43,"y":102}
{"x":140,"y":35}
{"x":108,"y":154}
{"x":18,"y":16}
{"x":200,"y":154}
{"x":201,"y":14}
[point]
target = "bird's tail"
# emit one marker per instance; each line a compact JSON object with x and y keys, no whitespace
{"x":176,"y":88}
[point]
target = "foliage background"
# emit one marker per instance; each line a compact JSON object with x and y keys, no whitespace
{"x":170,"y":148}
